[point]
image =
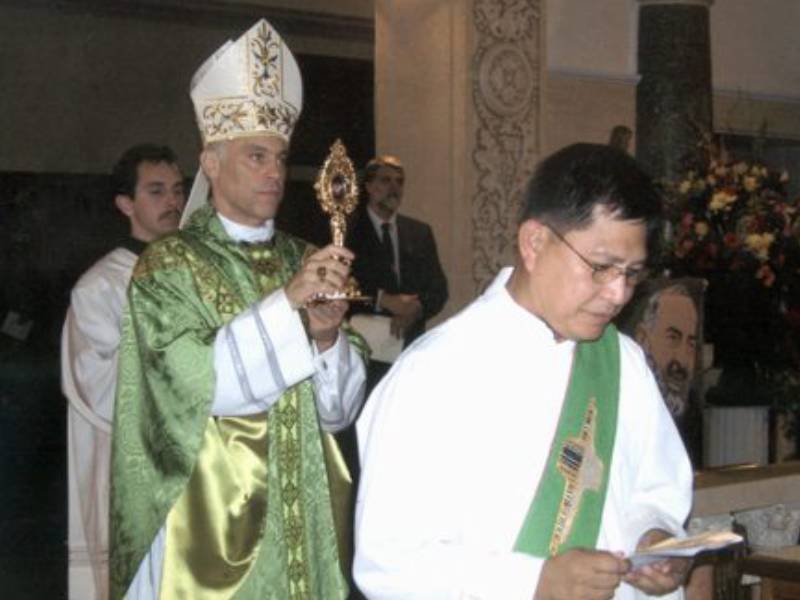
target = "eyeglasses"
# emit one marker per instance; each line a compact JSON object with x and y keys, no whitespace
{"x":604,"y":274}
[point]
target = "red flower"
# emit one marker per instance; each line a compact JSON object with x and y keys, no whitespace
{"x":730,"y":240}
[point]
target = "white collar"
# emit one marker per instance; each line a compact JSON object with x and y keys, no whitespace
{"x":377,"y":221}
{"x":245,"y":233}
{"x":533,"y":322}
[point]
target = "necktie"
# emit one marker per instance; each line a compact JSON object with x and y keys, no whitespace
{"x":388,"y":250}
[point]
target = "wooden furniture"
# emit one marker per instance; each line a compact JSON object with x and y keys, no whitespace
{"x":737,"y":487}
{"x":724,"y":490}
{"x":779,"y":570}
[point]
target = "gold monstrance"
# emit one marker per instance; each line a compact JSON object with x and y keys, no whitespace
{"x":337,"y":192}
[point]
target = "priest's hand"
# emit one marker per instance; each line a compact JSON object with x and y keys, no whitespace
{"x":579,"y":573}
{"x":662,"y":577}
{"x":324,"y":272}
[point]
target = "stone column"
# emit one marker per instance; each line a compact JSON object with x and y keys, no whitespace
{"x":673,"y":99}
{"x":457,"y":98}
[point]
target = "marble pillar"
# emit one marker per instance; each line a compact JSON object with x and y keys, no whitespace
{"x":673,"y":99}
{"x":457,"y":98}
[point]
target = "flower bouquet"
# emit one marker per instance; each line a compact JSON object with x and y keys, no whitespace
{"x":733,"y":224}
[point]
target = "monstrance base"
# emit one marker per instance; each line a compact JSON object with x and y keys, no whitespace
{"x":319,"y":298}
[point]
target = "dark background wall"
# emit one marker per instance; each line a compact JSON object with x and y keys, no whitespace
{"x":82,"y":81}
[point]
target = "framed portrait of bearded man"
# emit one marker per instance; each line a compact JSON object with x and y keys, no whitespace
{"x":665,"y":317}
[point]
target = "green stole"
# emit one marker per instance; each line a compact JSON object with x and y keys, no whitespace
{"x":567,"y":508}
{"x":252,"y":506}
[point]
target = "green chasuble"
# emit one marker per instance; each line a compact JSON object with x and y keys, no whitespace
{"x":247,"y":503}
{"x":567,"y":508}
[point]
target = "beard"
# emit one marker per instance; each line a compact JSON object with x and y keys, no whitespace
{"x":676,"y":403}
{"x":673,"y":382}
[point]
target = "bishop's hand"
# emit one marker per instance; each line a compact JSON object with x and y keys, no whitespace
{"x":325,"y":272}
{"x":324,"y":320}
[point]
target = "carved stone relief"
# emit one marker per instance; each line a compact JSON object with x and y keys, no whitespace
{"x":506,"y":83}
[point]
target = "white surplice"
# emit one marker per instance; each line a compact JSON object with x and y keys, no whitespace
{"x":454,"y":440}
{"x":89,"y":344}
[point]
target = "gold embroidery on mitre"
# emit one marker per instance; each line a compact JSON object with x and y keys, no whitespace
{"x":582,"y":469}
{"x":265,"y":70}
{"x":265,"y":109}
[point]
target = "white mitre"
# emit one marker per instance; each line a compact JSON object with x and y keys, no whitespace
{"x":249,"y":87}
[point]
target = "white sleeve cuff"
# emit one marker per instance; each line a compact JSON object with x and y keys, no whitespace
{"x":340,"y":381}
{"x":328,"y":363}
{"x":281,"y":324}
{"x":258,"y":355}
{"x":639,"y":524}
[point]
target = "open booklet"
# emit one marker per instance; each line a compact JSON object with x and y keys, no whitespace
{"x":686,"y":547}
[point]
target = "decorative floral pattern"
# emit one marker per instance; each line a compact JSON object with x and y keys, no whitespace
{"x":265,"y":52}
{"x":506,"y":72}
{"x":259,"y":102}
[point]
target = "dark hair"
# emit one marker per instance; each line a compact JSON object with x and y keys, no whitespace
{"x":650,"y":310}
{"x":126,"y":170}
{"x":568,"y":185}
{"x":381,"y":161}
{"x":620,"y":137}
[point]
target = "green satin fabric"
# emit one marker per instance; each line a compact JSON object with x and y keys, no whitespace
{"x":246,"y":501}
{"x":341,"y":490}
{"x":214,"y":529}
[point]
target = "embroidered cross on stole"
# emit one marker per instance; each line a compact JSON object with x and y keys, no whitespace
{"x":568,"y":505}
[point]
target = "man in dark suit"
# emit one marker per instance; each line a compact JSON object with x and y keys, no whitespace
{"x":396,"y":260}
